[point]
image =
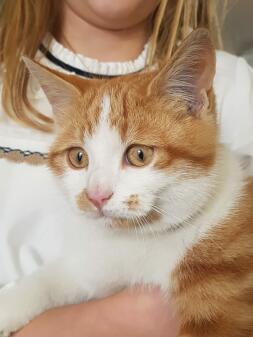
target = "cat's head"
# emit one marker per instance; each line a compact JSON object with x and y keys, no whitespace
{"x":137,"y":150}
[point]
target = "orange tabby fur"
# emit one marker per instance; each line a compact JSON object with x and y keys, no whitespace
{"x":213,"y":287}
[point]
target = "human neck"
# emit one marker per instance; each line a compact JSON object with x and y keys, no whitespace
{"x":105,"y":45}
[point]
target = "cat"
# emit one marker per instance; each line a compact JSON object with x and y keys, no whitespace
{"x":155,"y":198}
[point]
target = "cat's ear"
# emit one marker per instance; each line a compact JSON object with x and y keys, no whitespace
{"x":189,"y":74}
{"x":61,"y":94}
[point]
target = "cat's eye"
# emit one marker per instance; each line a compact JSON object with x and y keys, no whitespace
{"x":139,"y":155}
{"x":77,"y":158}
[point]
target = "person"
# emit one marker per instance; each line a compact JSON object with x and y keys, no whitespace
{"x":93,"y":39}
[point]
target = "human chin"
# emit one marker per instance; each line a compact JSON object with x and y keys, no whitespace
{"x":113,"y":14}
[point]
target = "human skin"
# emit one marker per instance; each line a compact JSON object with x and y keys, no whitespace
{"x":130,"y":313}
{"x":107,"y":30}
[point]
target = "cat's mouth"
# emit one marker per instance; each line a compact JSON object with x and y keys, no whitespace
{"x":123,"y":218}
{"x":129,"y":221}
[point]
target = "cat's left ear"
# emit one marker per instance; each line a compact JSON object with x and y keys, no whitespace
{"x":189,"y":74}
{"x":60,"y":93}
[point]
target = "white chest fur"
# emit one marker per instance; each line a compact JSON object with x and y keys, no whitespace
{"x":97,"y":261}
{"x":125,"y":259}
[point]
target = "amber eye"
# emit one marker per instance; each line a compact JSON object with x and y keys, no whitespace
{"x":77,"y":158}
{"x":139,"y":155}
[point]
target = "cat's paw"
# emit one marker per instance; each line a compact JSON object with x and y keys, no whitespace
{"x":13,"y":312}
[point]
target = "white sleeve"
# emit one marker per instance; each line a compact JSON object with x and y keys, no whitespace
{"x":233,"y":86}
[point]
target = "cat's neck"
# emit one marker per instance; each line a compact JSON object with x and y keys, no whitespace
{"x":229,"y":190}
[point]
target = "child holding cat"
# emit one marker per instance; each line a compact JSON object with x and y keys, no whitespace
{"x":114,"y":33}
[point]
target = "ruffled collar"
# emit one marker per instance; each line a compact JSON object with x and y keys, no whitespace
{"x":61,"y":58}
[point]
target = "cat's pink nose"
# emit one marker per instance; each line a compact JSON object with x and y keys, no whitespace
{"x":99,"y":199}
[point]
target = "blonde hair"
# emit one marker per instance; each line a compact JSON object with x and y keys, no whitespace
{"x":24,"y":24}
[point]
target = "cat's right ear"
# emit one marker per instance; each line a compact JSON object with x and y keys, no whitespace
{"x":60,"y":93}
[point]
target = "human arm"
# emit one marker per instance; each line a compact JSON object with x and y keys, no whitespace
{"x":130,"y":313}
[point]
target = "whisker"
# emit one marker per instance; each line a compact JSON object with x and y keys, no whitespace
{"x":138,"y":222}
{"x":148,"y":222}
{"x":135,"y":219}
{"x":178,"y":220}
{"x":159,"y":210}
{"x":140,"y":219}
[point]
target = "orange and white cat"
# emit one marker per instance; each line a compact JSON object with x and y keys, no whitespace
{"x":154,"y":198}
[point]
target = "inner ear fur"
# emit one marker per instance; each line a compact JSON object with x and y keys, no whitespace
{"x":188,"y":76}
{"x":62,"y":90}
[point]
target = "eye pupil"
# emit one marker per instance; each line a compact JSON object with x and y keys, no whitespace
{"x":79,"y":156}
{"x":140,"y":154}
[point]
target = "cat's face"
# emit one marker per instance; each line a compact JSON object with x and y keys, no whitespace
{"x":135,"y":152}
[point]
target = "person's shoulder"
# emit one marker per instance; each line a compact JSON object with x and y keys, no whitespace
{"x":20,"y":144}
{"x":14,"y":136}
{"x":233,"y":86}
{"x":232,"y":71}
{"x":225,"y":60}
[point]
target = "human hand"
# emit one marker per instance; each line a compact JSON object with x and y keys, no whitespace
{"x":131,"y":313}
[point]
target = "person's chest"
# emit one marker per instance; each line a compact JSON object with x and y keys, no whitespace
{"x":30,"y":228}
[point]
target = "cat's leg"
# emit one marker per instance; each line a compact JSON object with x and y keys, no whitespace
{"x":58,"y":284}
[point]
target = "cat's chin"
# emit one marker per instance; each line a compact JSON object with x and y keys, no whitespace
{"x":111,"y":220}
{"x":131,"y":222}
{"x":98,"y":216}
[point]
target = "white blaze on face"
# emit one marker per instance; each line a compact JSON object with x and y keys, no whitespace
{"x":105,"y":151}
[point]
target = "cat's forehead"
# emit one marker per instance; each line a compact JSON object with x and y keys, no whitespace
{"x":123,"y":111}
{"x":124,"y":107}
{"x":99,"y":104}
{"x":107,"y":109}
{"x":115,"y":114}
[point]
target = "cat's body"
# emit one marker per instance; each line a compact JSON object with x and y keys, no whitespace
{"x":175,"y":211}
{"x":213,"y":286}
